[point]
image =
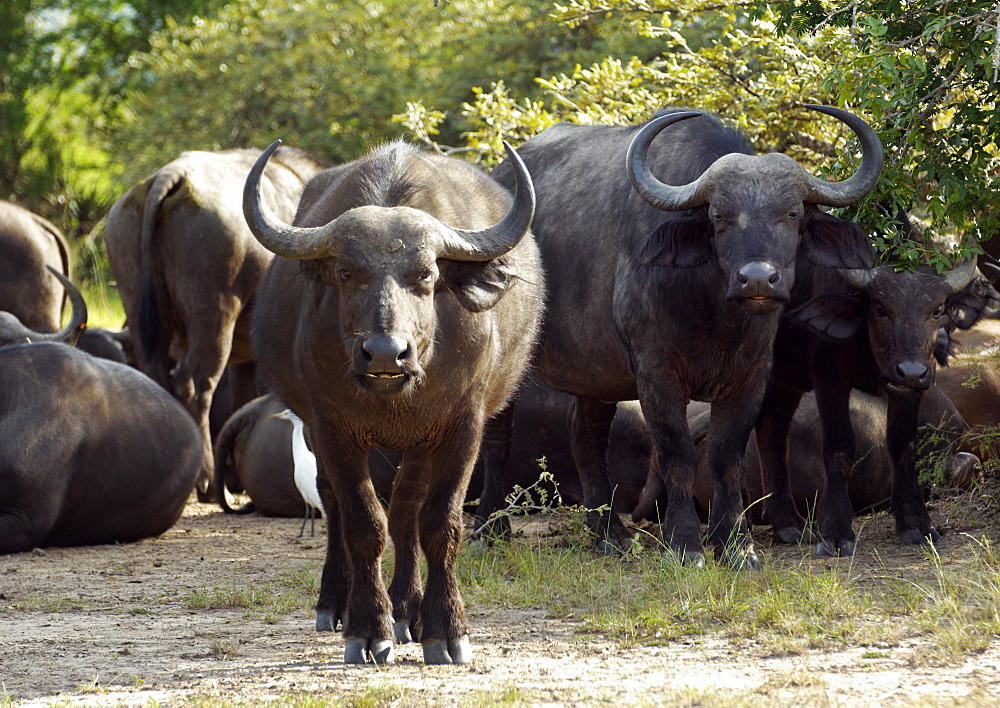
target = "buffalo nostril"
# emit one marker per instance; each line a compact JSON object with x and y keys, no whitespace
{"x":385,"y":350}
{"x":758,"y":273}
{"x":912,"y":372}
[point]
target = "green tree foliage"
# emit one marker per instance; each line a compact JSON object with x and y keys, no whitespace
{"x":62,"y":77}
{"x":328,"y":77}
{"x":925,"y":73}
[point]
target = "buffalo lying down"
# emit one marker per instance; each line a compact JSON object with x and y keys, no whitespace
{"x":253,"y":454}
{"x":92,"y":451}
{"x":400,"y":312}
{"x":871,"y":478}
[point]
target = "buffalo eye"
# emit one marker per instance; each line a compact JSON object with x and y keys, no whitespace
{"x":426,"y":277}
{"x":938,"y":312}
{"x":343,"y":274}
{"x":880,"y":311}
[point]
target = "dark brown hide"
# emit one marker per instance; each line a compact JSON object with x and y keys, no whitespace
{"x":187,"y":268}
{"x":93,"y":451}
{"x":389,"y":327}
{"x":28,"y":243}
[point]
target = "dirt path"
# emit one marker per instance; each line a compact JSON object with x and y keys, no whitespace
{"x":116,"y":625}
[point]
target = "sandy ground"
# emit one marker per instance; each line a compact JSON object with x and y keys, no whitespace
{"x":114,"y":625}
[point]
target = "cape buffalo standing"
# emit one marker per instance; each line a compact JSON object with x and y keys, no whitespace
{"x":668,"y":293}
{"x":187,"y":268}
{"x":874,"y":329}
{"x":400,"y":313}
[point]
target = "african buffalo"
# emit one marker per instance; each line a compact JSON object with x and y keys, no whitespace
{"x":93,"y":451}
{"x":876,"y":330}
{"x":187,"y":268}
{"x":27,"y":244}
{"x":400,"y":312}
{"x":667,"y":293}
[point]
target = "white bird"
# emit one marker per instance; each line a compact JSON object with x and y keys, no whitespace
{"x":304,"y":470}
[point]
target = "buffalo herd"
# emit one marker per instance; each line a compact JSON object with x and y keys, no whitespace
{"x":666,"y":321}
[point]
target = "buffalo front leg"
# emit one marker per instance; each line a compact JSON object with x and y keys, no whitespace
{"x":408,"y":493}
{"x":913,"y":522}
{"x":590,"y":426}
{"x":677,"y":459}
{"x":834,"y":512}
{"x":366,"y":618}
{"x":728,"y":530}
{"x":445,"y":635}
{"x":773,"y":427}
{"x":495,"y":454}
{"x":335,"y":582}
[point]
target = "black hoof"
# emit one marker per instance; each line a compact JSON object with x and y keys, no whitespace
{"x":326,"y":621}
{"x":358,"y":650}
{"x":913,"y":537}
{"x":829,"y":549}
{"x":790,"y":534}
{"x":401,"y":630}
{"x":744,"y":559}
{"x":440,"y":651}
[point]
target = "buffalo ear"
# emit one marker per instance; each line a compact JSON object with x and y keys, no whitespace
{"x":836,"y":243}
{"x":477,"y":286}
{"x":832,"y":316}
{"x":678,"y":243}
{"x":969,"y":304}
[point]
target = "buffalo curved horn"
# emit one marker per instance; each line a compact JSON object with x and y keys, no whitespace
{"x":295,"y":242}
{"x":961,"y":275}
{"x":863,"y":181}
{"x":13,"y":331}
{"x":498,"y":239}
{"x":662,"y":196}
{"x":859,"y":278}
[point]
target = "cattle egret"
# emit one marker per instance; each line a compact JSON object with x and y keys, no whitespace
{"x":304,"y":466}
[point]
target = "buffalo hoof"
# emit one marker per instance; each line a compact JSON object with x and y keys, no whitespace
{"x":740,"y":559}
{"x":791,"y":534}
{"x":829,"y":549}
{"x":613,"y":547}
{"x":694,"y":559}
{"x":401,"y":630}
{"x":358,"y":650}
{"x":440,"y":651}
{"x":914,"y":537}
{"x":326,"y":621}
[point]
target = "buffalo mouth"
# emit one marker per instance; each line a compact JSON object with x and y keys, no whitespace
{"x":760,"y":304}
{"x":384,"y":381}
{"x":903,"y":389}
